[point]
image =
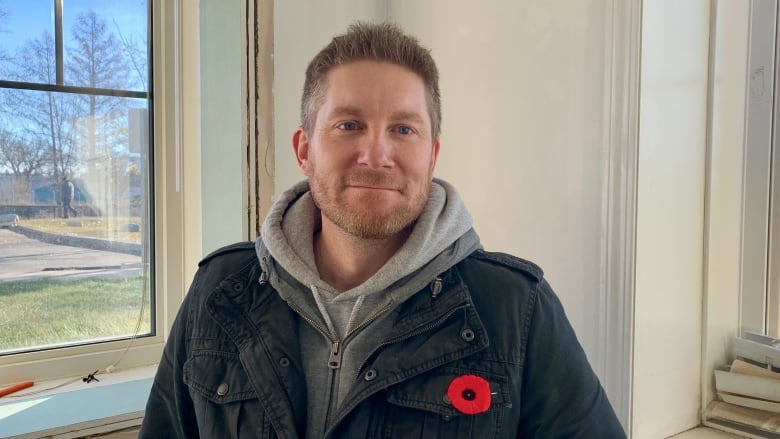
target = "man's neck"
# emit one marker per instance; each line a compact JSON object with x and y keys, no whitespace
{"x":345,"y":261}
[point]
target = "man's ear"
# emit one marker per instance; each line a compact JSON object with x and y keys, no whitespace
{"x":434,"y":155}
{"x":300,"y":142}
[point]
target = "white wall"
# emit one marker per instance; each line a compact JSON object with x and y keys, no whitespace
{"x":222,"y":118}
{"x":670,"y":217}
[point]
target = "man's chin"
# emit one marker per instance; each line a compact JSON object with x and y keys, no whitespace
{"x":370,"y":225}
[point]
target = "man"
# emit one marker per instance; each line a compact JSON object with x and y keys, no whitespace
{"x":367,"y":307}
{"x":67,"y":191}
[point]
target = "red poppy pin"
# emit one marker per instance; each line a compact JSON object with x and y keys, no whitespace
{"x":469,"y":394}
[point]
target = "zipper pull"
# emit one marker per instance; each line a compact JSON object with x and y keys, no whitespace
{"x":334,"y":361}
{"x":436,"y":288}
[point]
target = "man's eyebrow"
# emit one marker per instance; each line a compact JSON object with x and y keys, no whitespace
{"x":398,"y":116}
{"x":344,"y":111}
{"x":407,"y":116}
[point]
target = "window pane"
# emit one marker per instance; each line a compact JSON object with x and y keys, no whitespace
{"x":25,"y":28}
{"x":75,"y":215}
{"x":105,"y":44}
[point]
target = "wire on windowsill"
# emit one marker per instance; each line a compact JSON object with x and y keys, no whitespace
{"x":111,"y":367}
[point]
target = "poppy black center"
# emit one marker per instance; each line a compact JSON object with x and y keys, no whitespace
{"x":469,"y":395}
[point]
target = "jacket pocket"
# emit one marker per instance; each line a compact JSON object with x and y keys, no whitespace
{"x":421,"y":407}
{"x":225,"y":402}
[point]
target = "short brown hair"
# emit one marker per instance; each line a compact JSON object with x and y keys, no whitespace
{"x":378,"y":42}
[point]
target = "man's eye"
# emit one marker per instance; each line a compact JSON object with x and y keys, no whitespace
{"x":404,"y":130}
{"x":348,"y":126}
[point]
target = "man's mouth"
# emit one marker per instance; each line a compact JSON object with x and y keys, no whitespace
{"x":372,"y":182}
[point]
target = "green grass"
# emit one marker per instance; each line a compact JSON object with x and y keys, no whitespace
{"x":92,"y":227}
{"x":46,"y":311}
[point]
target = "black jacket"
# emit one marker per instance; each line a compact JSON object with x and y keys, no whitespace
{"x":231,"y":367}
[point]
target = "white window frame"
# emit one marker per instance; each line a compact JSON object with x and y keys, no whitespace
{"x":177,"y":201}
{"x":757,"y":313}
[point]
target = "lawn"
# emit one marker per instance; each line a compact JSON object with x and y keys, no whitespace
{"x":115,"y":229}
{"x":47,"y":311}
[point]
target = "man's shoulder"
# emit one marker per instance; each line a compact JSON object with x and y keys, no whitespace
{"x":238,"y":251}
{"x":511,"y":262}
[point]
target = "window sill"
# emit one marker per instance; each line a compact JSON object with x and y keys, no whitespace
{"x":706,"y":433}
{"x":78,"y":409}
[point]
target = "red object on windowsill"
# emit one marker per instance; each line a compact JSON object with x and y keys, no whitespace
{"x":470,"y":394}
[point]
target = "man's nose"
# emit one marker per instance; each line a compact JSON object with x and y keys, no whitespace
{"x":376,"y":150}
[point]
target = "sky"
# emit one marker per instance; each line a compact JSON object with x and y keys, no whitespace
{"x":27,"y":19}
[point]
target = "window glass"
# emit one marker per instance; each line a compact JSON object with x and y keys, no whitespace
{"x":21,"y":23}
{"x":75,"y":175}
{"x":105,"y":44}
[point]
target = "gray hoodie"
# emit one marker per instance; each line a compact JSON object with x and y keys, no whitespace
{"x":339,"y":330}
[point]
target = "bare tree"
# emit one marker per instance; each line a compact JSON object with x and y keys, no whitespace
{"x":135,"y":51}
{"x":97,"y":61}
{"x":25,"y":158}
{"x":3,"y":20}
{"x":73,"y":130}
{"x":45,"y":117}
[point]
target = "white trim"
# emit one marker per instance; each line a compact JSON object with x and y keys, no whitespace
{"x":757,"y":161}
{"x":773,"y":261}
{"x":615,"y":348}
{"x":724,"y":190}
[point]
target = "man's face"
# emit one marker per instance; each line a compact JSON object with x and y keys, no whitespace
{"x":370,"y":156}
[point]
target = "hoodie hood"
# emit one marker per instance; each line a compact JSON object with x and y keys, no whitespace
{"x":442,"y":236}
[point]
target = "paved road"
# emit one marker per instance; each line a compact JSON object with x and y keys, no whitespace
{"x":25,"y":258}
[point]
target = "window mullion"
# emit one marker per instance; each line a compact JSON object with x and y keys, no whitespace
{"x":58,"y":42}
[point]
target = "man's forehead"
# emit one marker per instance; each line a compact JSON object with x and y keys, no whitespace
{"x":347,"y":91}
{"x":340,"y":74}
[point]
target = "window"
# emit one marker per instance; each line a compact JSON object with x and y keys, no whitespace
{"x":77,"y":100}
{"x":75,"y":186}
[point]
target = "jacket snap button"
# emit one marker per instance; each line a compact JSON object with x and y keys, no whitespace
{"x":284,"y":361}
{"x":446,"y":418}
{"x":222,"y":389}
{"x":237,"y":287}
{"x":370,"y":375}
{"x":467,"y":334}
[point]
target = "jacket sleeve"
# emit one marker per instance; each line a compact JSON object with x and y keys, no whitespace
{"x":169,"y":410}
{"x":561,"y":396}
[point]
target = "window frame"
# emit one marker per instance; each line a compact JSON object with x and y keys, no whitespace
{"x":756,"y":313}
{"x":177,"y":227}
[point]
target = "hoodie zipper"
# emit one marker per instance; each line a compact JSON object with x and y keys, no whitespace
{"x":333,"y":341}
{"x":419,"y":331}
{"x":334,"y":357}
